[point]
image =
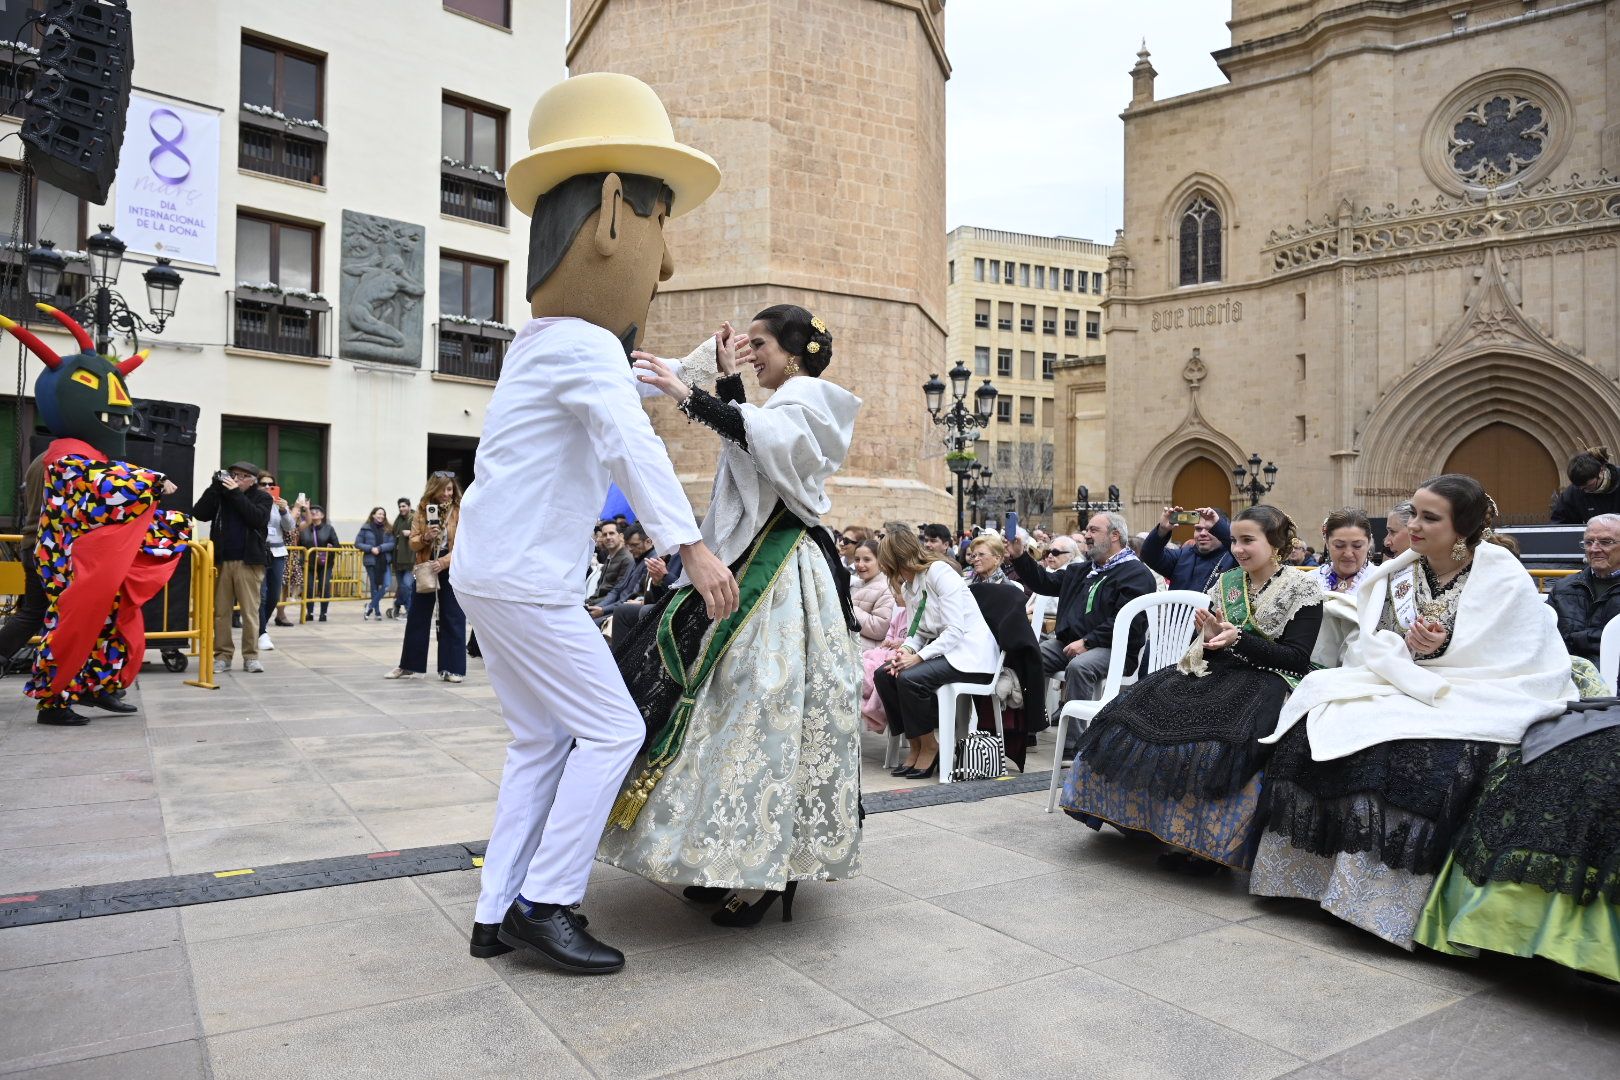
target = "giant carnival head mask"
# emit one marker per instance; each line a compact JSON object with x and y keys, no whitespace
{"x":81,"y":396}
{"x":602,"y":174}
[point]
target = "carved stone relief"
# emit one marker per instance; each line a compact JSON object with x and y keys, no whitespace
{"x":381,"y":313}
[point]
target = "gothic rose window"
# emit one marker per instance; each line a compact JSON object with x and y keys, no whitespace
{"x":1200,"y":254}
{"x":1497,"y":139}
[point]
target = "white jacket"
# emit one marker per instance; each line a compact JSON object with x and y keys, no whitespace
{"x":952,"y":625}
{"x":564,"y":421}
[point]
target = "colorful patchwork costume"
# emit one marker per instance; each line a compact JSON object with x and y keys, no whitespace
{"x":104,"y":548}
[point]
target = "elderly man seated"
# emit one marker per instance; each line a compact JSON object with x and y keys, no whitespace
{"x":1090,"y":594}
{"x":1585,"y":602}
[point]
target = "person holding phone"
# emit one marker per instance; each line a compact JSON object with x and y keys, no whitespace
{"x":240,"y":511}
{"x":281,"y":532}
{"x":318,"y":534}
{"x":1452,"y":655}
{"x":1192,"y":568}
{"x":433,"y":539}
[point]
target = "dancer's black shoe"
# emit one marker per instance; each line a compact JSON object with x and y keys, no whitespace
{"x":739,"y":912}
{"x":61,"y":716}
{"x":111,"y":703}
{"x":485,"y":944}
{"x":703,"y":894}
{"x":559,"y":937}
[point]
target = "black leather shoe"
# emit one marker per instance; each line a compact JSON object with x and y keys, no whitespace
{"x":555,"y":933}
{"x":109,"y":703}
{"x":484,"y":942}
{"x":62,"y":716}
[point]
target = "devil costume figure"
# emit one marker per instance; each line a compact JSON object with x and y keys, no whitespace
{"x":104,"y":547}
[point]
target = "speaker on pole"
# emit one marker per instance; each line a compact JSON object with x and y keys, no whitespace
{"x":73,"y":127}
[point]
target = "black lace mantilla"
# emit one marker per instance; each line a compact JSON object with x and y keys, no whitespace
{"x":1401,"y":801}
{"x":1554,"y":823}
{"x":1174,"y":733}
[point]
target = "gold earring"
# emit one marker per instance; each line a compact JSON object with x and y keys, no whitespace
{"x":1459,"y":551}
{"x":792,"y":368}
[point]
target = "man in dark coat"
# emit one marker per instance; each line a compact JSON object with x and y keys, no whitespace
{"x":1090,"y":595}
{"x":1585,"y":602}
{"x":1195,"y":567}
{"x":616,"y":562}
{"x":1594,"y":488}
{"x":240,"y":511}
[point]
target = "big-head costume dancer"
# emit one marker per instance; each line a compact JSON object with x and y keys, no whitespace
{"x":603,"y":173}
{"x":104,"y":547}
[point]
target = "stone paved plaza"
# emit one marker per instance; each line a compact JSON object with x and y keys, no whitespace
{"x":984,"y":938}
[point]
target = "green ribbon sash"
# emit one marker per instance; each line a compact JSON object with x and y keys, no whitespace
{"x":764,"y":564}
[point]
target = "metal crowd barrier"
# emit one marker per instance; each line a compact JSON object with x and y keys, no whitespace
{"x":198,"y":633}
{"x":1545,"y":579}
{"x":331,"y":575}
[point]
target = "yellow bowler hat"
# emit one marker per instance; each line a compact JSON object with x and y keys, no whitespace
{"x":606,"y":122}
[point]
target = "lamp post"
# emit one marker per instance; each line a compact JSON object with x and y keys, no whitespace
{"x":963,"y":426}
{"x":978,"y":488}
{"x":105,"y":308}
{"x":1249,"y":480}
{"x":1083,"y":507}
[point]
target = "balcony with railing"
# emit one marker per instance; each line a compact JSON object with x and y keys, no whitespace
{"x":273,"y":321}
{"x":17,"y":68}
{"x":15,"y":301}
{"x":471,"y":348}
{"x":472,"y":193}
{"x":281,"y":147}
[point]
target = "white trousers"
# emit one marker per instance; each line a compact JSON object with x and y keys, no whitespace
{"x":575,"y":732}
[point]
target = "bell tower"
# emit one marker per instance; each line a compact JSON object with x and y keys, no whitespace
{"x":828,"y":120}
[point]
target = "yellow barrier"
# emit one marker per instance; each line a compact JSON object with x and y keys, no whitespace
{"x":199,"y":630}
{"x":331,"y":574}
{"x":1545,"y":578}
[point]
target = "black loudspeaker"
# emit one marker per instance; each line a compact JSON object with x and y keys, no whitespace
{"x":74,"y":123}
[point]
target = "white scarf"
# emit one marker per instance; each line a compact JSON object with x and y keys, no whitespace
{"x":796,"y":441}
{"x":1504,"y":668}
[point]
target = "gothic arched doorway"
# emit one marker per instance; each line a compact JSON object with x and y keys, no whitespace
{"x":1200,"y":482}
{"x":1514,"y":467}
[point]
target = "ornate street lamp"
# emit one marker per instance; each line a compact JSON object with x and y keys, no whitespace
{"x":964,"y":424}
{"x":105,"y":308}
{"x":1249,"y":482}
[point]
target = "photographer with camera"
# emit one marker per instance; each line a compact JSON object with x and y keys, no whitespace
{"x":1197,"y":566}
{"x":433,"y":538}
{"x":240,"y":511}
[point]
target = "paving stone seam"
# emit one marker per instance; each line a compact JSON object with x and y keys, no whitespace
{"x":1461,"y":994}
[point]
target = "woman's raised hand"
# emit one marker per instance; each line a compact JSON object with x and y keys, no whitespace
{"x":1207,"y":623}
{"x":725,"y":349}
{"x":656,"y":372}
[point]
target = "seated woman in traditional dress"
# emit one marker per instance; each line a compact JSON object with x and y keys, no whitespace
{"x":947,"y":641}
{"x":1177,"y":756}
{"x":1346,"y":549}
{"x":1453,"y":656}
{"x":1536,"y":868}
{"x":750,"y":781}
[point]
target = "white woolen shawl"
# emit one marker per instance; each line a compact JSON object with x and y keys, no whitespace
{"x":796,"y":441}
{"x":1504,"y":669}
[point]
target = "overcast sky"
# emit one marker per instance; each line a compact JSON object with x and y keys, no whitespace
{"x":1034,"y":139}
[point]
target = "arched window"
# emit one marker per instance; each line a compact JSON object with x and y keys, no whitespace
{"x":1200,"y":242}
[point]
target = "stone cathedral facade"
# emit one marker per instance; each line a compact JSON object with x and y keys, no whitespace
{"x":1386,"y":248}
{"x":828,"y":120}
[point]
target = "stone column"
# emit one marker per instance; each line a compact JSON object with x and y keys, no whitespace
{"x":828,"y":120}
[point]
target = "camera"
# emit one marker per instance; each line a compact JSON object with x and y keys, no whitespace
{"x":1184,"y":517}
{"x":432,"y":513}
{"x":224,"y":476}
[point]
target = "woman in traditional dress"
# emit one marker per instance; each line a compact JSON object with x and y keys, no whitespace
{"x":1346,"y":549}
{"x":1178,"y":756}
{"x":1453,"y":656}
{"x":750,"y":780}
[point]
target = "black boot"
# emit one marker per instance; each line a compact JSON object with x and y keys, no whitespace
{"x":556,"y":933}
{"x":484,"y":942}
{"x":109,"y":702}
{"x":61,"y":716}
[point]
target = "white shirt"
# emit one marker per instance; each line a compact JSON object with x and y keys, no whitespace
{"x":952,"y":625}
{"x":565,"y":420}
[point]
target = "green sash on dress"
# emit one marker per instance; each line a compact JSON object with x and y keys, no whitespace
{"x":1238,"y":607}
{"x":764,"y":565}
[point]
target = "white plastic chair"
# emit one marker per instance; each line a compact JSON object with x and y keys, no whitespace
{"x":1170,"y":630}
{"x":1044,"y":606}
{"x":592,"y":581}
{"x":1609,"y":653}
{"x":949,"y":696}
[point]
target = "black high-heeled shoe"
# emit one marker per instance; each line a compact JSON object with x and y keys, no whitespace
{"x":738,"y":912}
{"x":901,"y":770}
{"x":705,"y":894}
{"x":915,"y":773}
